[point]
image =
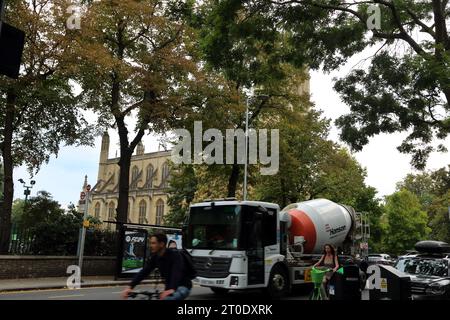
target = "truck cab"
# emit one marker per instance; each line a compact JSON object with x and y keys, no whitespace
{"x":237,"y":245}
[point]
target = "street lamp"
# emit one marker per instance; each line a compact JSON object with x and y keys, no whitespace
{"x":262,"y":97}
{"x":27,"y":191}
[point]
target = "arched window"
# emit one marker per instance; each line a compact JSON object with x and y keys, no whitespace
{"x":159,"y":212}
{"x":111,"y":210}
{"x":142,"y":211}
{"x":97,"y":210}
{"x":149,"y":179}
{"x":134,"y":177}
{"x":165,"y":175}
{"x":111,"y":214}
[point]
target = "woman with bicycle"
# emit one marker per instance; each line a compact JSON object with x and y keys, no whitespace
{"x":329,"y":260}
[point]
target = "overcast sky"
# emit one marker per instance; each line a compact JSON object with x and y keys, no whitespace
{"x":63,"y":177}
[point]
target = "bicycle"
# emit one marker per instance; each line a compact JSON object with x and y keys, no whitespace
{"x":153,"y":293}
{"x":149,"y":294}
{"x":317,"y":275}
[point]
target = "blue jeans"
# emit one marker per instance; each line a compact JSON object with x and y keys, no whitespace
{"x":180,"y":294}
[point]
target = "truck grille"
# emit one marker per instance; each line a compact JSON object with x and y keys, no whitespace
{"x":212,"y":267}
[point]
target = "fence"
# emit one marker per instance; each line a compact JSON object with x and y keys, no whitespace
{"x":99,"y":242}
{"x":21,"y":241}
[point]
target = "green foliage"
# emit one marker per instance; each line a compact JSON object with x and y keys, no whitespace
{"x":440,"y":223}
{"x":396,"y":94}
{"x":183,"y":185}
{"x":433,"y":191}
{"x":402,"y":90}
{"x":54,"y":231}
{"x":405,"y":222}
{"x":47,"y":113}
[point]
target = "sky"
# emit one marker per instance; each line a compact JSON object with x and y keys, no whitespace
{"x":64,"y":175}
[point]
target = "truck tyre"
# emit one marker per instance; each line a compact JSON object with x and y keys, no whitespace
{"x":219,"y":291}
{"x":278,"y":285}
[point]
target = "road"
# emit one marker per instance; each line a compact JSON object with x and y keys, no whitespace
{"x":113,"y":293}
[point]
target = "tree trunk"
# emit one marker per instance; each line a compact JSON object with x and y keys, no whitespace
{"x":233,"y":181}
{"x":124,"y":185}
{"x":5,"y":214}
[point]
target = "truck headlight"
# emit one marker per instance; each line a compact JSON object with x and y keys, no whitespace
{"x":234,"y":281}
{"x":438,"y":288}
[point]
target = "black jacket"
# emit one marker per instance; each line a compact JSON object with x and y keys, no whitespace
{"x":172,"y":267}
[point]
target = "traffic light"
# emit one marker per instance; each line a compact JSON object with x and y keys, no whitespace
{"x":11,"y":47}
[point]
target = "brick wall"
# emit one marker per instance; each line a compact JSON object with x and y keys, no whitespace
{"x":16,"y":267}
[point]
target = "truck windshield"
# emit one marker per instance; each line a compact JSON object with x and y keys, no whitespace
{"x":213,"y":227}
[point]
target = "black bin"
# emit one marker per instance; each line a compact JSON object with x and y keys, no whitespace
{"x":345,"y":286}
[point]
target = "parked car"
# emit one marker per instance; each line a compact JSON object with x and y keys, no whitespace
{"x":380,"y":258}
{"x":429,"y":271}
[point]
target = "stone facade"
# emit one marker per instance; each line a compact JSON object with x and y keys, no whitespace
{"x":149,"y":174}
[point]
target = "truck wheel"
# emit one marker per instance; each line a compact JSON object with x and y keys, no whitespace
{"x":219,"y":291}
{"x":278,"y":283}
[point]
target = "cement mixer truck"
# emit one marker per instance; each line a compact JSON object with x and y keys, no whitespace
{"x":239,"y":245}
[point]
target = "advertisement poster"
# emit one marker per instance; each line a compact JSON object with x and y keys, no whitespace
{"x":174,"y":239}
{"x":134,"y":250}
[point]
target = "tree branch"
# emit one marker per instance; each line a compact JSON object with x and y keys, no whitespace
{"x":436,"y":121}
{"x":440,"y":24}
{"x":323,"y":6}
{"x":137,"y":138}
{"x":132,"y":107}
{"x":426,"y":28}
{"x":404,"y":35}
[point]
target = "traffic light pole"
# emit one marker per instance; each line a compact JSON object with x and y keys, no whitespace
{"x":83,"y":233}
{"x":2,"y":10}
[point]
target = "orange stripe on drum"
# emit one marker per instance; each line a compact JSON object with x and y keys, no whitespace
{"x":302,"y":225}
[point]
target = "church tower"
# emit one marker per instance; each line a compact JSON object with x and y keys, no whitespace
{"x":104,"y":152}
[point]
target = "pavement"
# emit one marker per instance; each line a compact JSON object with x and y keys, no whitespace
{"x":60,"y":283}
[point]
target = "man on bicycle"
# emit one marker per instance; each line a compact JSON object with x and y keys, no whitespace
{"x":172,"y":267}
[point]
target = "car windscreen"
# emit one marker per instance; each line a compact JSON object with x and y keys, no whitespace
{"x":425,"y":267}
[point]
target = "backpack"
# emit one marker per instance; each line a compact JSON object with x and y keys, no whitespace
{"x":191,"y":273}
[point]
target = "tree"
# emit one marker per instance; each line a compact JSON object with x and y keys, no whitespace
{"x":440,"y":222}
{"x":135,"y":59}
{"x":18,"y":208}
{"x":432,"y":189}
{"x":39,"y":110}
{"x":405,"y":222}
{"x":310,"y":167}
{"x":402,"y":90}
{"x":183,"y":185}
{"x":54,"y":231}
{"x":247,"y":55}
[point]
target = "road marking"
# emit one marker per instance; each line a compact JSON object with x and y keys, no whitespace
{"x":67,"y":296}
{"x":58,"y":289}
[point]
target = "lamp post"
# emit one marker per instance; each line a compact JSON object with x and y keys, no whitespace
{"x":264,"y":98}
{"x":81,"y":241}
{"x":27,"y":191}
{"x":2,"y":10}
